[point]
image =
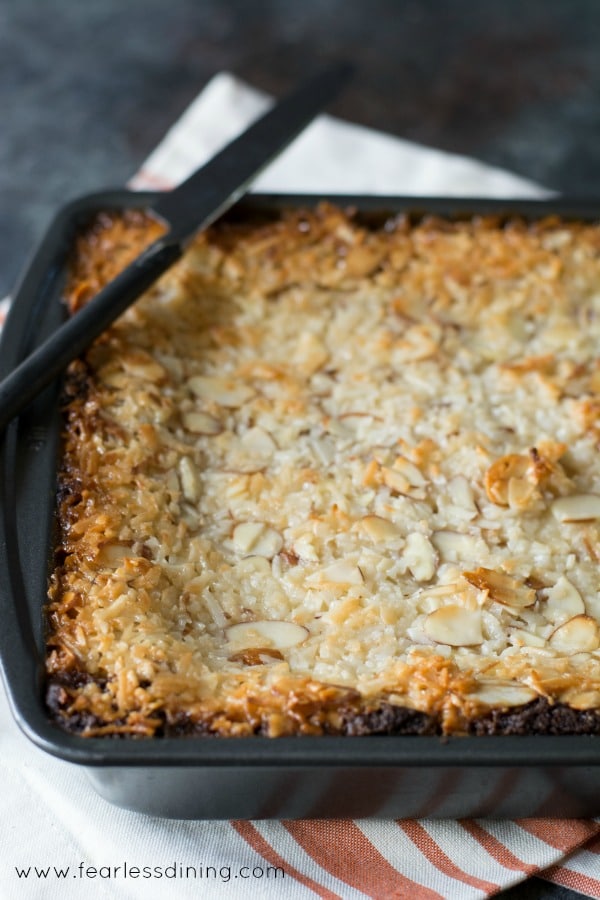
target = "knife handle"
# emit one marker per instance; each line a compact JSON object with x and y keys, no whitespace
{"x":48,"y":360}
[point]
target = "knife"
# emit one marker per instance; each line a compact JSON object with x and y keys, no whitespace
{"x":189,"y":208}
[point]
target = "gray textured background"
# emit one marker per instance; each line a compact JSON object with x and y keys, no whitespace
{"x":87,"y":90}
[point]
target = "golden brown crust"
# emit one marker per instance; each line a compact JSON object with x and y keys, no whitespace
{"x":333,"y":478}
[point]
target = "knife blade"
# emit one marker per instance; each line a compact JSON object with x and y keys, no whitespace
{"x":189,"y":208}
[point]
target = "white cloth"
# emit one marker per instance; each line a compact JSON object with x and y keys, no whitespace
{"x":330,"y":156}
{"x":50,"y":816}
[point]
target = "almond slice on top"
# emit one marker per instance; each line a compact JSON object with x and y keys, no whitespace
{"x":578,"y":635}
{"x":563,"y":601}
{"x":503,"y":693}
{"x":220,"y":389}
{"x":577,"y":508}
{"x":379,"y":529}
{"x":501,"y":587}
{"x":278,"y":633}
{"x":340,"y":572}
{"x":257,"y":539}
{"x":420,"y":556}
{"x":454,"y":626}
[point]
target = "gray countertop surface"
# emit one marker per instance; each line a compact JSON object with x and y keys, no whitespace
{"x":87,"y":90}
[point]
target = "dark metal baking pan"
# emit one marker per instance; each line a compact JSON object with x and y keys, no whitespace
{"x":257,"y":777}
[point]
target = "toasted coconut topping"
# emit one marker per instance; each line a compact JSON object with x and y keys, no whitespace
{"x":325,"y":471}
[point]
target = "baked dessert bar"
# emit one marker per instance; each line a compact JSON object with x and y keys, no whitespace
{"x":334,"y":476}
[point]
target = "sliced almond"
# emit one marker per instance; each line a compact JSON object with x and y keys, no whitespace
{"x":269,"y":544}
{"x":201,"y":423}
{"x":277,"y":633}
{"x":246,"y":534}
{"x":448,"y":589}
{"x":453,"y":546}
{"x":253,"y":565}
{"x":305,"y":549}
{"x":256,"y":656}
{"x":142,"y":365}
{"x":455,"y":626}
{"x":258,"y":442}
{"x":112,"y":555}
{"x":563,"y":601}
{"x":257,"y":539}
{"x":371,"y":476}
{"x":220,"y":389}
{"x":522,"y":638}
{"x":420,"y":557}
{"x":196,"y":585}
{"x":502,"y":588}
{"x":395,"y":480}
{"x":190,"y":479}
{"x":577,"y":508}
{"x":584,"y":700}
{"x":379,"y":529}
{"x":341,"y":572}
{"x":461,"y":493}
{"x":503,"y":693}
{"x":578,"y":635}
{"x":413,"y":475}
{"x":520,"y":492}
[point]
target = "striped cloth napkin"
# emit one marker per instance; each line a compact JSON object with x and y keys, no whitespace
{"x":83,"y":847}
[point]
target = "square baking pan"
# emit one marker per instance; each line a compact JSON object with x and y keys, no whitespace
{"x":249,"y":777}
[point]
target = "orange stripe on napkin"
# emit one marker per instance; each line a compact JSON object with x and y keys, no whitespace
{"x":258,"y":843}
{"x":496,"y":850}
{"x":562,"y":834}
{"x":341,"y":848}
{"x":436,"y":856}
{"x":590,"y":887}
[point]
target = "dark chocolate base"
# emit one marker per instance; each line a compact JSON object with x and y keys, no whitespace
{"x":537,"y":717}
